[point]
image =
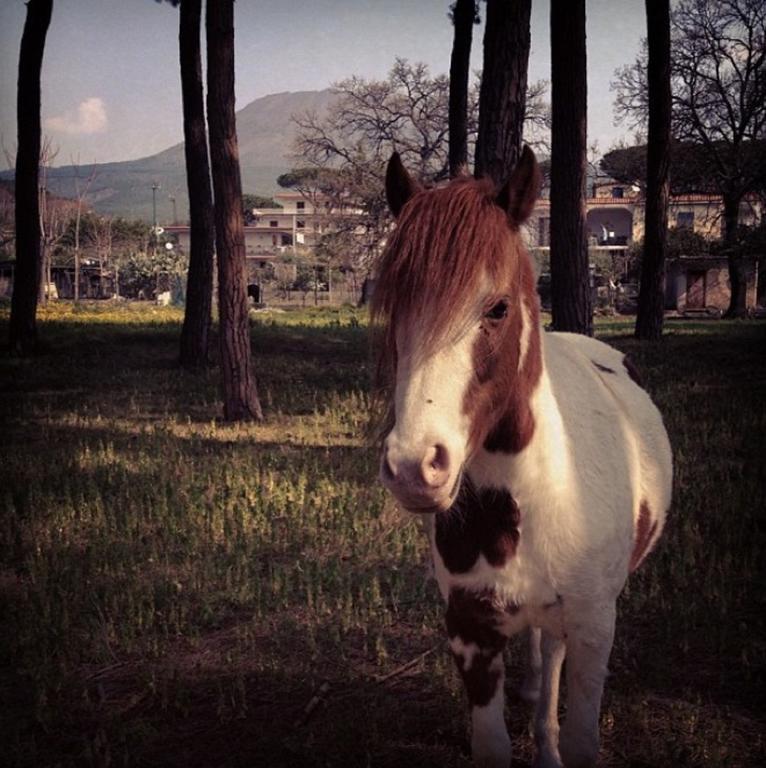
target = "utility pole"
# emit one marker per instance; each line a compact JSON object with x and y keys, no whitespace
{"x":173,"y":201}
{"x":155,"y":187}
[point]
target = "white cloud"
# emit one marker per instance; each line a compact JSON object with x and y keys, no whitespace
{"x":89,"y":117}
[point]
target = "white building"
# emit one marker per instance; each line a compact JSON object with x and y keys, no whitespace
{"x":298,"y":223}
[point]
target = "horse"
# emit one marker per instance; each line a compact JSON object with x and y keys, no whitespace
{"x":542,"y":466}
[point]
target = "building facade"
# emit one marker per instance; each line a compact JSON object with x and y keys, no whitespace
{"x":615,"y":219}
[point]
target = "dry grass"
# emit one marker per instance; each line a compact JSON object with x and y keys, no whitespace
{"x":176,"y":591}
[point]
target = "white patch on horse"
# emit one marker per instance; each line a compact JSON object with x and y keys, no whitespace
{"x":428,"y":402}
{"x":465,"y":651}
{"x":490,"y":744}
{"x":526,"y":332}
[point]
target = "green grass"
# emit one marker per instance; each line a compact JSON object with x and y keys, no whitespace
{"x":175,"y":590}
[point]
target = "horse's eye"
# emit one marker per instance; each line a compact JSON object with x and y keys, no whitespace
{"x":498,"y":311}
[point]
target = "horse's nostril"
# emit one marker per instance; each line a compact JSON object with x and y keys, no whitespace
{"x":435,"y":466}
{"x":440,"y":459}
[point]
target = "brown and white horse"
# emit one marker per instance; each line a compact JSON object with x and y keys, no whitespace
{"x":541,"y":464}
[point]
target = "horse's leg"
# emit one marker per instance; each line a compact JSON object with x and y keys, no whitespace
{"x":530,"y":686}
{"x":553,"y":651}
{"x":490,"y":743}
{"x":477,"y":647}
{"x":590,"y":633}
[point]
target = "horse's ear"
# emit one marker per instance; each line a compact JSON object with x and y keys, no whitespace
{"x":518,"y":195}
{"x":400,"y":186}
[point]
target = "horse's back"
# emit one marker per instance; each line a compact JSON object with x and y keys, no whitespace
{"x":600,"y":396}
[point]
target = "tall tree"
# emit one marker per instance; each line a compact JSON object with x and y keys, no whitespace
{"x":719,"y":101}
{"x":570,"y":280}
{"x":463,"y":13}
{"x":199,"y":283}
{"x":502,"y":96}
{"x":52,"y":224}
{"x":345,"y":151}
{"x":26,"y":279}
{"x":651,"y":297}
{"x":81,"y":192}
{"x":240,"y":394}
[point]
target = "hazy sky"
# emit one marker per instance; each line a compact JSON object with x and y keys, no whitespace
{"x":110,"y":76}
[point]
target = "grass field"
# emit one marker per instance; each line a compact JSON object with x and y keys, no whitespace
{"x":176,"y":591}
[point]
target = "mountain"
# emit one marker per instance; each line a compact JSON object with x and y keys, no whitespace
{"x":265,"y":131}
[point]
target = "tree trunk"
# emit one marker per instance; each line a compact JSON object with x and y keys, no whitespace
{"x":240,"y":395}
{"x":651,"y":298}
{"x":463,"y":18}
{"x":27,"y":273}
{"x":570,"y":278}
{"x":737,"y":270}
{"x":199,"y":282}
{"x":503,"y":88}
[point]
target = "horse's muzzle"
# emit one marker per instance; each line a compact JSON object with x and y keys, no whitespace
{"x":425,"y":485}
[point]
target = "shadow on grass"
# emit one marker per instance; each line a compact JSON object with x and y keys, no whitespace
{"x":299,"y":369}
{"x":253,"y":720}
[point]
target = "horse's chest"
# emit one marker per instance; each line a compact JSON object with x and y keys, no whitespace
{"x":483,"y":522}
{"x":482,"y":546}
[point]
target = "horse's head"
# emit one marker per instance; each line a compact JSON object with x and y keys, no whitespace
{"x":457,"y":303}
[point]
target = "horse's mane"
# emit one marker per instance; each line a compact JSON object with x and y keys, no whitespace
{"x":433,"y":260}
{"x":445,"y":240}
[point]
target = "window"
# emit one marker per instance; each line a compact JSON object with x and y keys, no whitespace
{"x":300,"y":224}
{"x":617,"y":192}
{"x":273,"y":223}
{"x":685,"y":219}
{"x":301,"y":205}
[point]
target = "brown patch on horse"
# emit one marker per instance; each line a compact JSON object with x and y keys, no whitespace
{"x":633,"y":372}
{"x":604,"y":368}
{"x":474,"y":618}
{"x":480,"y":522}
{"x":498,"y":399}
{"x":646,"y":527}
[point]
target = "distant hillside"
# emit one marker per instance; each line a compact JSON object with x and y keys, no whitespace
{"x":265,"y":133}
